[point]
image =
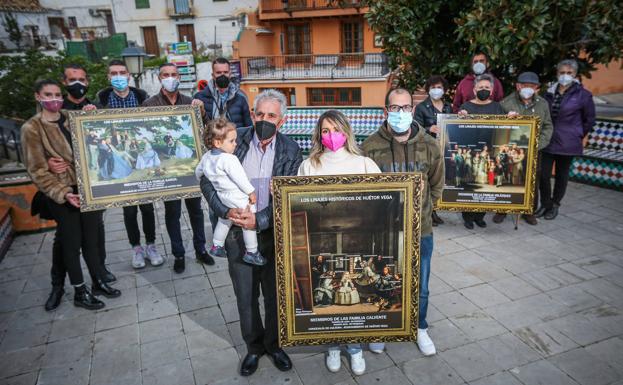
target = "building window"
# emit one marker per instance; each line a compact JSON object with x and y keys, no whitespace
{"x":141,"y":4}
{"x":334,"y":96}
{"x":182,"y":7}
{"x":352,"y":37}
{"x":299,"y":39}
{"x":72,"y":22}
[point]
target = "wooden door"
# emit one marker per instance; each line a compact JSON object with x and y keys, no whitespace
{"x":188,"y":31}
{"x":150,"y":37}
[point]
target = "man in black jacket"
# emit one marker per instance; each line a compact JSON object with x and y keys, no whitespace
{"x":264,"y":153}
{"x":223,"y":98}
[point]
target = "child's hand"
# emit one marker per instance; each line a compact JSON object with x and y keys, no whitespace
{"x":252,"y":198}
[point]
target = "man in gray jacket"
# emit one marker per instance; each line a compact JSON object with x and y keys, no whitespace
{"x":526,"y":101}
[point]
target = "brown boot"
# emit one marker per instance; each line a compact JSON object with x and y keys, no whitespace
{"x":499,"y":218}
{"x":530,"y":219}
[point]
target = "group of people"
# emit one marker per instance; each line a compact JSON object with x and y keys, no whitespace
{"x":247,"y":149}
{"x":476,"y":166}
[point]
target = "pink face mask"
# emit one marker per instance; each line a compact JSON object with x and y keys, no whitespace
{"x":52,"y":105}
{"x":333,"y":140}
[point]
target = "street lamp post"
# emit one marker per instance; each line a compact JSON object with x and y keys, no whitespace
{"x":133,"y":57}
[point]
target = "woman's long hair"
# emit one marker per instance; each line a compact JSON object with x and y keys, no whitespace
{"x":341,"y":124}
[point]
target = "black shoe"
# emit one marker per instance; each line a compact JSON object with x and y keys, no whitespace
{"x":481,"y":223}
{"x":552,"y":213}
{"x":541,"y":211}
{"x":499,"y":218}
{"x":436,"y":219}
{"x":108,"y":276}
{"x":204,"y":257}
{"x":102,"y":288}
{"x":468,"y":224}
{"x":281,"y":360}
{"x":84,"y":298}
{"x":55,"y":298}
{"x":249,"y":364}
{"x":179,"y":265}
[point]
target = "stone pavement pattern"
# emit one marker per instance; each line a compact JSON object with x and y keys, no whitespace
{"x":539,"y":305}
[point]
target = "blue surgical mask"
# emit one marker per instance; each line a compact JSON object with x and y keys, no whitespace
{"x":436,"y":93}
{"x":399,"y":121}
{"x":526,"y":92}
{"x":565,"y":79}
{"x":119,"y":82}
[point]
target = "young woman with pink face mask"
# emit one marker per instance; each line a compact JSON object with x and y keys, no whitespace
{"x":334,"y":149}
{"x":334,"y":152}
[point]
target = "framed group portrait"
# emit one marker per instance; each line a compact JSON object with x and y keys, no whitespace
{"x":347,"y":257}
{"x":490,"y":162}
{"x":138,"y":155}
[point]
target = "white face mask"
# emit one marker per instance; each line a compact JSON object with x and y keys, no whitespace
{"x":170,"y":84}
{"x":435,"y":93}
{"x":526,"y":92}
{"x":479,"y":68}
{"x":565,"y":79}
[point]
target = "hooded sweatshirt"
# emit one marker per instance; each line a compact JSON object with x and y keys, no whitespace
{"x":235,"y":108}
{"x":420,"y":153}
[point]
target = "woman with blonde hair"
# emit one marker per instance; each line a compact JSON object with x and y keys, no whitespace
{"x":334,"y":152}
{"x":334,"y":149}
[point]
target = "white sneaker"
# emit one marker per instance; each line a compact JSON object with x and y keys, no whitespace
{"x":424,"y":343}
{"x":152,"y":254}
{"x":333,"y":360}
{"x":357,"y":363}
{"x":138,"y":260}
{"x":377,"y":347}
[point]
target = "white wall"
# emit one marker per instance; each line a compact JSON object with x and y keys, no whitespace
{"x":128,"y":19}
{"x":23,"y":19}
{"x":80,"y":10}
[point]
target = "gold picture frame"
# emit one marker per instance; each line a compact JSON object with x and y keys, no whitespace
{"x":137,"y":155}
{"x":490,"y":162}
{"x":359,"y":232}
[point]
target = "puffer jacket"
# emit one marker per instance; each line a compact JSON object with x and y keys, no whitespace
{"x":236,"y":109}
{"x":420,"y":153}
{"x":42,"y":140}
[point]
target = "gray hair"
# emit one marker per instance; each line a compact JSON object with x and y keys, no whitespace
{"x":272,"y":94}
{"x":486,"y":77}
{"x":568,"y":63}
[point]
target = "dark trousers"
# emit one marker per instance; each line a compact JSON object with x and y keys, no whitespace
{"x":562,"y":164}
{"x":172,"y":215}
{"x":75,"y":233}
{"x":130,"y":218}
{"x":247,"y":281}
{"x":471,"y":217}
{"x":59,"y":270}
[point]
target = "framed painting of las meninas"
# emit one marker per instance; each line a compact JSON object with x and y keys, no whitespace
{"x":490,"y":162}
{"x":133,"y":156}
{"x":348,"y":257}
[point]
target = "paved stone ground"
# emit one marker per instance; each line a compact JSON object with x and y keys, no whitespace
{"x":540,"y":305}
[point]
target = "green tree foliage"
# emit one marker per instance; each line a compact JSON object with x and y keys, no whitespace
{"x":439,"y":36}
{"x":12,"y":28}
{"x":18,"y":75}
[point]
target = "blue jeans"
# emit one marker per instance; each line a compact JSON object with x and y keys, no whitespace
{"x":350,"y":348}
{"x":426,"y":253}
{"x":172,"y":214}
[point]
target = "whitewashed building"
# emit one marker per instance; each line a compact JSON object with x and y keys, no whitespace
{"x":32,"y":24}
{"x":82,"y":19}
{"x":155,"y":23}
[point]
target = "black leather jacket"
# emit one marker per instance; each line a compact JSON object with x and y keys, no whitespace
{"x":426,"y":114}
{"x":288,"y":158}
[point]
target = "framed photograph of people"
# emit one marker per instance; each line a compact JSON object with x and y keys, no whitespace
{"x":362,"y":286}
{"x":133,"y":156}
{"x":490,"y":162}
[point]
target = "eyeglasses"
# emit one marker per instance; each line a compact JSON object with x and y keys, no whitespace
{"x":396,"y":108}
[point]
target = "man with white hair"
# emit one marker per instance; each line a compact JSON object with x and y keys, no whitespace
{"x":264,"y":152}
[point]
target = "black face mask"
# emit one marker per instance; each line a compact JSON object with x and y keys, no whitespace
{"x":483,"y":94}
{"x":265,"y":129}
{"x":222,"y":81}
{"x":77,"y":90}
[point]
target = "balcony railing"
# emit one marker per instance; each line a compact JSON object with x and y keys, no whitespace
{"x":300,"y":5}
{"x":337,"y":66}
{"x":180,"y":8}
